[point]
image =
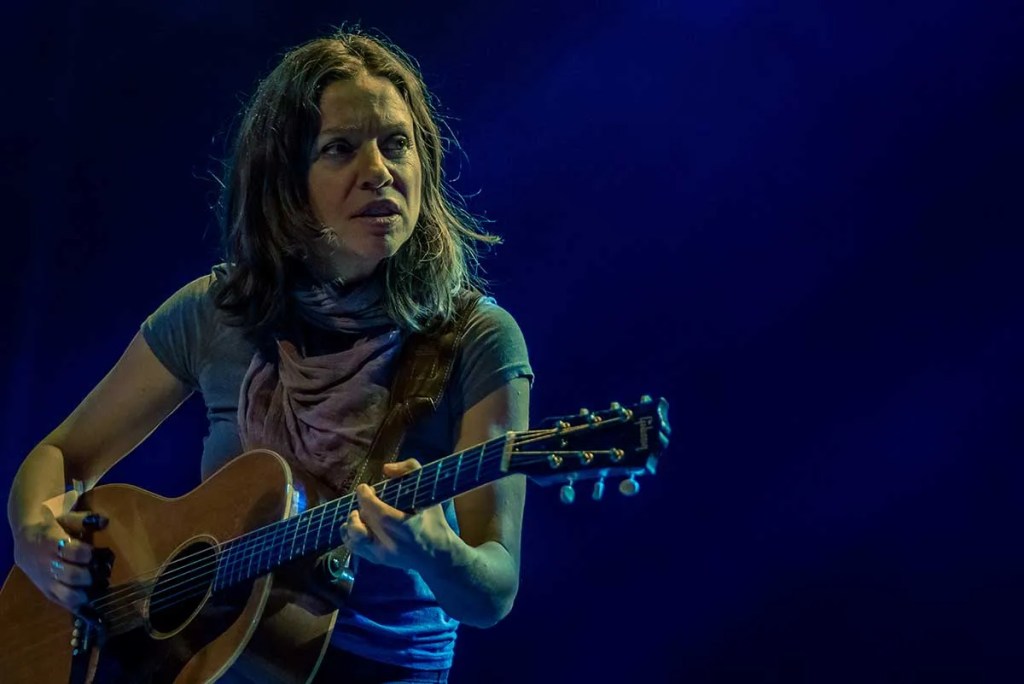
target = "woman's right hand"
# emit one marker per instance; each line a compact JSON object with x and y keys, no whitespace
{"x":55,"y":558}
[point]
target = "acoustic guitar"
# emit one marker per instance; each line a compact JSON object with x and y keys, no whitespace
{"x":218,"y":579}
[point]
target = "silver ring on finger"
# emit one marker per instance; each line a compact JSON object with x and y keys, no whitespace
{"x":55,"y":568}
{"x":61,"y":544}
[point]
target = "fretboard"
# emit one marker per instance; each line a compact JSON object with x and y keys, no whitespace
{"x":317,"y":530}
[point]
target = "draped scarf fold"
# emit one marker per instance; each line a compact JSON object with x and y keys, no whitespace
{"x":322,"y":412}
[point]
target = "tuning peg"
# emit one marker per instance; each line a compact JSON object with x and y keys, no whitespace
{"x":567,"y":494}
{"x":622,"y":412}
{"x":646,"y":399}
{"x":629,"y":487}
{"x":598,"y":490}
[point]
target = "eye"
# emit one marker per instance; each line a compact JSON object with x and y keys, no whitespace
{"x":336,"y":148}
{"x":398,"y":144}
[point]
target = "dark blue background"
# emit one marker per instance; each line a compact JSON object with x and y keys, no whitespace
{"x":799,"y":222}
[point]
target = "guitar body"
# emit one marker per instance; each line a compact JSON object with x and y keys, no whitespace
{"x":267,"y":629}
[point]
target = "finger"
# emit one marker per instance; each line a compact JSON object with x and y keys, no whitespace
{"x":405,"y":467}
{"x":375,"y":511}
{"x":369,"y":503}
{"x":70,"y":574}
{"x":77,"y":523}
{"x":356,"y":535}
{"x":356,"y":527}
{"x":69,"y":597}
{"x":74,"y":551}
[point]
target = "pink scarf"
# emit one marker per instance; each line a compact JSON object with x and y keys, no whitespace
{"x":322,"y":412}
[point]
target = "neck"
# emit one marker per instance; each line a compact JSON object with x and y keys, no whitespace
{"x":317,"y":529}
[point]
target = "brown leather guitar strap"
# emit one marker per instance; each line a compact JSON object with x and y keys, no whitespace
{"x":424,"y":367}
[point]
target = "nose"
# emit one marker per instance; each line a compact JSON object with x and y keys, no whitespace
{"x":373,"y":171}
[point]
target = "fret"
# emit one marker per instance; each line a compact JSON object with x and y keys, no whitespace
{"x":231,"y":558}
{"x":250,"y":549}
{"x":255,"y":548}
{"x":398,"y":495}
{"x":280,"y":546}
{"x":416,"y":491}
{"x":320,"y":527}
{"x":221,"y":558}
{"x":224,"y":565}
{"x":437,"y":475}
{"x":334,"y":518}
{"x":383,"y":488}
{"x":458,"y":469}
{"x":232,"y":564}
{"x":243,"y":550}
{"x":309,"y":524}
{"x":295,"y":537}
{"x":291,"y":530}
{"x":266,"y":542}
{"x":480,"y":462}
{"x":236,"y":565}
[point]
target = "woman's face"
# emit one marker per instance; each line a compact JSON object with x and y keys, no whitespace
{"x":365,"y":178}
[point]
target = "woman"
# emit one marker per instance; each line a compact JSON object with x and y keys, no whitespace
{"x":341,"y":239}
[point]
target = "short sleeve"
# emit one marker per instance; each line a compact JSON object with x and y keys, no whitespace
{"x":174,"y":330}
{"x":493,"y":352}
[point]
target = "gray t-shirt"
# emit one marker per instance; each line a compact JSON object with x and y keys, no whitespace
{"x":391,"y":616}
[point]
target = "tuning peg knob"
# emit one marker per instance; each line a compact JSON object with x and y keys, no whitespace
{"x":646,"y":399}
{"x":567,"y":494}
{"x":598,"y":490}
{"x":629,"y":487}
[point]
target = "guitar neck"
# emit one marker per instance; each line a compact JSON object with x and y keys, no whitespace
{"x":317,"y":529}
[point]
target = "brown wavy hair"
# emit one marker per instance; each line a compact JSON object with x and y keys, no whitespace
{"x":268,"y":229}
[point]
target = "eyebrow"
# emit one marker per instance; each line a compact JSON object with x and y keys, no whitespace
{"x":390,"y":127}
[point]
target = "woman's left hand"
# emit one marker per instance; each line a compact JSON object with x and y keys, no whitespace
{"x":387,"y":536}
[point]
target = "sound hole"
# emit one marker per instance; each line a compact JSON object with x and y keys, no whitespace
{"x":181,"y":587}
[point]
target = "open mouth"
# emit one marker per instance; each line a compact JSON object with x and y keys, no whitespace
{"x":378,"y":209}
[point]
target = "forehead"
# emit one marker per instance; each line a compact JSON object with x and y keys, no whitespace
{"x":365,"y":103}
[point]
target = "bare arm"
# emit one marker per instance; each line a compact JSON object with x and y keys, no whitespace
{"x":474,"y":575}
{"x":481,"y":583}
{"x":122,"y":410}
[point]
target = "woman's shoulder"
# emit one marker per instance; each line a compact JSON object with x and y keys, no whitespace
{"x":192,"y":304}
{"x":200,"y":290}
{"x":486,"y":317}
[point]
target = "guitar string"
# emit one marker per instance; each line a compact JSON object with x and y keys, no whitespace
{"x":160,"y":599}
{"x":115,"y":625}
{"x":533,"y":436}
{"x":116,"y":622}
{"x":242,"y":552}
{"x":163,"y":600}
{"x":285,"y":527}
{"x":247,"y":541}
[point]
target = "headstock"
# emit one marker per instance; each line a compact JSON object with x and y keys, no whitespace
{"x":620,"y":441}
